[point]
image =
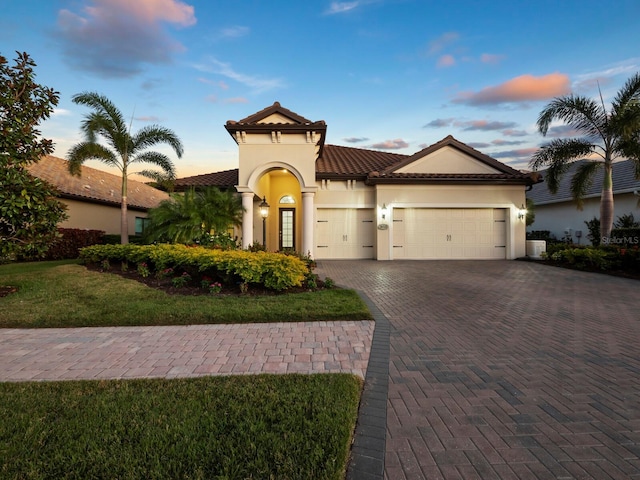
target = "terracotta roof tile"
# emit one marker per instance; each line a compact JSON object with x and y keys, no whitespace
{"x":354,"y":161}
{"x":224,"y":179}
{"x":270,"y":110}
{"x":95,"y":185}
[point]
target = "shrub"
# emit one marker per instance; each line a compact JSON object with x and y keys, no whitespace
{"x":70,"y":242}
{"x":583,"y":257}
{"x":329,"y":283}
{"x":624,"y":237}
{"x":593,"y":226}
{"x":272,"y":270}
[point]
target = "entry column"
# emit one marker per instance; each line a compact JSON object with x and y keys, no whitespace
{"x":307,"y":223}
{"x":247,"y":219}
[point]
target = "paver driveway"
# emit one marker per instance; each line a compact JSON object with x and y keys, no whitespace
{"x":506,"y":369}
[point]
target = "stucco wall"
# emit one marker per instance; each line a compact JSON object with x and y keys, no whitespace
{"x":561,"y":217}
{"x":93,"y":216}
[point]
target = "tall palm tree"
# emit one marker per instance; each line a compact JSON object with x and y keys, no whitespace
{"x":189,"y":216}
{"x":607,"y":136}
{"x":106,"y":123}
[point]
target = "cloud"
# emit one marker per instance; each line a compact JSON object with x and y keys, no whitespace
{"x":478,"y":144}
{"x":563,"y":131}
{"x":491,"y":59}
{"x":520,"y":89}
{"x":149,"y":118}
{"x":439,"y":44}
{"x":60,"y":112}
{"x":516,"y":154}
{"x":236,"y":31}
{"x":257,"y":83}
{"x":483,"y":125}
{"x":509,"y":132}
{"x":446,"y":61}
{"x":236,"y":100}
{"x":355,"y":139}
{"x":396,"y":144}
{"x":341,"y":7}
{"x":439,"y":123}
{"x":501,"y":142}
{"x":117,"y":38}
{"x":215,"y":83}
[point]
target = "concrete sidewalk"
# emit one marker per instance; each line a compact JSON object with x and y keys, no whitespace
{"x":184,"y":351}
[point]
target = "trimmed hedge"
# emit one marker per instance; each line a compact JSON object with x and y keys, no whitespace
{"x":624,"y":237}
{"x":274,"y":271}
{"x":68,"y":245}
{"x":600,"y":258}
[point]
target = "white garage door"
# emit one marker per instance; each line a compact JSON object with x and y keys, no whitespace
{"x":449,"y":233}
{"x":345,"y":233}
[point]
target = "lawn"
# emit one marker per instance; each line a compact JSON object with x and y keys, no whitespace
{"x":267,"y":426}
{"x":66,"y":294}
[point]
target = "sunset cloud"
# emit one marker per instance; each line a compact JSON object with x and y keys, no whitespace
{"x":478,"y":144}
{"x":484,"y":125}
{"x":257,"y":83}
{"x":521,"y":153}
{"x":509,"y":132}
{"x":520,"y":89}
{"x":446,"y":61}
{"x":117,"y":38}
{"x":439,"y":123}
{"x":396,"y":144}
{"x":355,"y":139}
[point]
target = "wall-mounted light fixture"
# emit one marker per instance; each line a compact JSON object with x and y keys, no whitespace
{"x":522,"y":212}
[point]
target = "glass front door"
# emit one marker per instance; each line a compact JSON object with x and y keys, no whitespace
{"x":287,"y":228}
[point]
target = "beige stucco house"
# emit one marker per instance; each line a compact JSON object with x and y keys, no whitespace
{"x":93,"y":199}
{"x":447,"y":201}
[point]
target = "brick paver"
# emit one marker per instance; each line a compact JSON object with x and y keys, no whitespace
{"x":506,"y":369}
{"x":184,"y":351}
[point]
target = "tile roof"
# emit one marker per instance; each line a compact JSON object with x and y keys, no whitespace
{"x":624,"y":180}
{"x":224,"y":179}
{"x":344,"y":161}
{"x":95,"y":185}
{"x":270,"y":110}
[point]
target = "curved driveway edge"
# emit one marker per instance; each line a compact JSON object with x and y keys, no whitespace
{"x":506,"y":369}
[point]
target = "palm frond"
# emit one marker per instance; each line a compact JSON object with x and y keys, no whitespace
{"x":583,"y":114}
{"x":158,"y":159}
{"x":629,"y":93}
{"x":81,"y":152}
{"x":561,"y":151}
{"x":582,"y":180}
{"x":153,"y":135}
{"x":102,"y":105}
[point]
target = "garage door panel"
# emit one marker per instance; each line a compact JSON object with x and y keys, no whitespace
{"x":345,"y":233}
{"x":446,"y":233}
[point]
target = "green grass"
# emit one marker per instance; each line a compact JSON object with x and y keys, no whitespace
{"x":259,"y":427}
{"x":65,"y":294}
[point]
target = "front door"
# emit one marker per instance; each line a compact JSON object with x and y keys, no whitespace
{"x":287,"y":228}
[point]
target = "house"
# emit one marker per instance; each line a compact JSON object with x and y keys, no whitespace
{"x":558,"y":213}
{"x":93,"y":199}
{"x":447,"y":201}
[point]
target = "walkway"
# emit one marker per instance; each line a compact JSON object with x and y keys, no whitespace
{"x":170,"y":352}
{"x":505,"y":369}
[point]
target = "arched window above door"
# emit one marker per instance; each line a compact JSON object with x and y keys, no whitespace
{"x":287,"y":199}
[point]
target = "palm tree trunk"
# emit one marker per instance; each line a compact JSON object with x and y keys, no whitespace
{"x":606,"y":204}
{"x":124,"y":223}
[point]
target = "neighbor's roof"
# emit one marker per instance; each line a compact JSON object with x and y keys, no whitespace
{"x":624,"y":181}
{"x":224,"y":179}
{"x":95,"y":185}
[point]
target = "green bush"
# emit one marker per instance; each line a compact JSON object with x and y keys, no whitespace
{"x":583,"y":257}
{"x":624,"y":237}
{"x":70,"y":242}
{"x":272,"y":270}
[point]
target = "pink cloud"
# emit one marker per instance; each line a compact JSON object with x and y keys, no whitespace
{"x":117,"y":38}
{"x":484,"y":125}
{"x":446,"y":61}
{"x":491,"y":59}
{"x":518,"y":153}
{"x":444,"y":40}
{"x":396,"y":144}
{"x":520,"y":89}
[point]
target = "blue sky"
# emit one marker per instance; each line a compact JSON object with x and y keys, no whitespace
{"x":395,"y":75}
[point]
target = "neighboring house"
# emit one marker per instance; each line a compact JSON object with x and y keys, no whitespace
{"x":558,"y":213}
{"x":93,"y":199}
{"x":447,"y":201}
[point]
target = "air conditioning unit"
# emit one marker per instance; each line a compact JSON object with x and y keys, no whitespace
{"x":535,"y":248}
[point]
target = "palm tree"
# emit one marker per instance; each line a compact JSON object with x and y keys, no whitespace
{"x":189,"y":217}
{"x":107,"y":123}
{"x":607,"y":136}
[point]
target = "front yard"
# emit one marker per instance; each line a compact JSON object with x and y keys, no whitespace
{"x":252,"y":426}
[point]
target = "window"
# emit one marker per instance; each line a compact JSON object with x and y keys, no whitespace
{"x":287,"y":199}
{"x":141,"y":224}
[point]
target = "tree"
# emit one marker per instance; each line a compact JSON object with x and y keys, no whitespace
{"x":106,"y":123}
{"x":29,"y":211}
{"x":194,"y":215}
{"x":607,"y":136}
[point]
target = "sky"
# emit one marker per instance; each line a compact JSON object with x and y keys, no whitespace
{"x":391,"y":75}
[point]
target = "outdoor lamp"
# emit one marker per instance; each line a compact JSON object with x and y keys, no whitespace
{"x":522,"y":212}
{"x":264,"y":213}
